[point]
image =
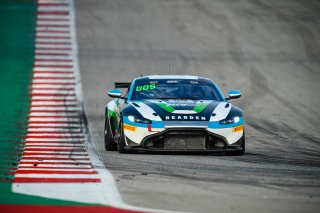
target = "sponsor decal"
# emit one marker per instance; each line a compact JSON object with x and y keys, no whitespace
{"x":238,"y":128}
{"x":178,"y":105}
{"x":172,"y":101}
{"x":185,"y":117}
{"x":129,"y":127}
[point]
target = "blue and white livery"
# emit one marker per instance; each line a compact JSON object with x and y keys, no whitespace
{"x":173,"y":113}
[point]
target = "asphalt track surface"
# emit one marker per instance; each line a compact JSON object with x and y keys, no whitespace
{"x":270,"y":50}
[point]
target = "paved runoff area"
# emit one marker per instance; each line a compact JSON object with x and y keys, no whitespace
{"x":269,"y":50}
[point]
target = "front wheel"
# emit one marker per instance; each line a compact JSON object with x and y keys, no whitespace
{"x":243,"y":147}
{"x":109,"y":143}
{"x":121,"y":142}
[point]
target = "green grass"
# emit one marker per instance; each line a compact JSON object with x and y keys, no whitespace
{"x":17,"y":32}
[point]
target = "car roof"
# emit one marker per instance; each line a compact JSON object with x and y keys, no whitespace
{"x":151,"y":77}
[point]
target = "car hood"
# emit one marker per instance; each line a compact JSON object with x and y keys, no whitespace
{"x":182,"y":110}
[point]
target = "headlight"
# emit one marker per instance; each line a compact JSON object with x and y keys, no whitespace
{"x":139,"y":120}
{"x":230,"y":120}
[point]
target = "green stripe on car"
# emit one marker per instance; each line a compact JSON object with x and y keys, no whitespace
{"x":112,"y":113}
{"x":165,"y":106}
{"x":200,"y":106}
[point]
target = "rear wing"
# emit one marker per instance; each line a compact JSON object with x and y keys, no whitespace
{"x":124,"y":85}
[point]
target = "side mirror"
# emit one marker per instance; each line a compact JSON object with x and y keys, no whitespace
{"x":115,"y":93}
{"x":234,"y":94}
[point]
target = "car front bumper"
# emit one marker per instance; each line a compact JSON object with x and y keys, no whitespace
{"x":184,"y":139}
{"x":200,"y":136}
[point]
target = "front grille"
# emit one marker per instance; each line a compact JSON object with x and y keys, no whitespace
{"x":182,"y":142}
{"x":185,"y":140}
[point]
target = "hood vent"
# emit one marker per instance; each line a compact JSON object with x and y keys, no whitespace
{"x":136,"y":104}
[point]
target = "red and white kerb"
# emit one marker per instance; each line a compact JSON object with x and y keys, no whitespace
{"x":54,"y":145}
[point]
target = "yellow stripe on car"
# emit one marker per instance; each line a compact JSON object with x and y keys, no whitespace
{"x":129,"y":127}
{"x":238,"y":128}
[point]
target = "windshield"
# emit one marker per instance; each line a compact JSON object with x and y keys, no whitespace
{"x":200,"y":89}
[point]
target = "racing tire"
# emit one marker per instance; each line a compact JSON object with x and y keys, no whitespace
{"x":109,"y":143}
{"x":121,"y":142}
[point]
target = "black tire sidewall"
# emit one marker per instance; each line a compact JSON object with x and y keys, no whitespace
{"x":121,"y":142}
{"x":243,"y":145}
{"x":109,"y":143}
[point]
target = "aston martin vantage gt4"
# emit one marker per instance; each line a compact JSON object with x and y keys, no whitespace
{"x":173,"y":113}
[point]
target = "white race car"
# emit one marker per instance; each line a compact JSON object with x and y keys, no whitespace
{"x":173,"y":113}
